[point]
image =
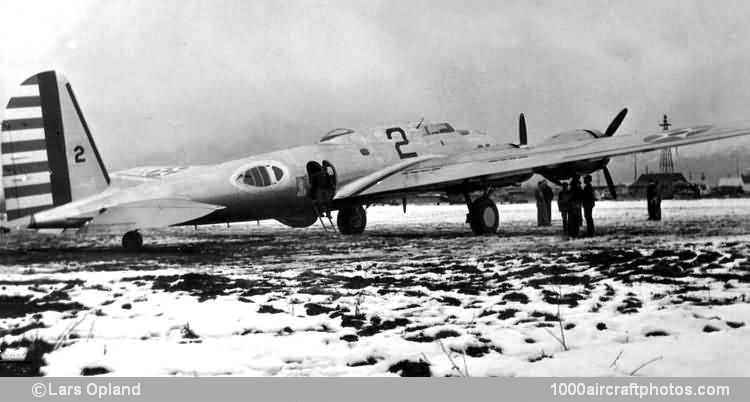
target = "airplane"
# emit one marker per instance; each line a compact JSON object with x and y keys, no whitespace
{"x":55,"y":178}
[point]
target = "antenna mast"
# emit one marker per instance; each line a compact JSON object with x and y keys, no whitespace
{"x":666,"y":164}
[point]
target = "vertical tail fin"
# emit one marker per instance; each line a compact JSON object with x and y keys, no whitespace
{"x":48,"y":155}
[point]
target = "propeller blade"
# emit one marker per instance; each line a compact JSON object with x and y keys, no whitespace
{"x":521,"y":130}
{"x":616,"y":123}
{"x":610,"y":182}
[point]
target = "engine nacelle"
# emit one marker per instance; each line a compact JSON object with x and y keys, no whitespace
{"x":566,"y":171}
{"x":571,"y":136}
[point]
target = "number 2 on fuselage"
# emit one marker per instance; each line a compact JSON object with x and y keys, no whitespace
{"x":404,"y":141}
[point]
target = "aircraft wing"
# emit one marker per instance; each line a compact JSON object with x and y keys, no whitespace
{"x":436,"y":173}
{"x":134,"y":215}
{"x":358,"y":186}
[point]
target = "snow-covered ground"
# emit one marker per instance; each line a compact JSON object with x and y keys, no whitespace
{"x":417,"y":294}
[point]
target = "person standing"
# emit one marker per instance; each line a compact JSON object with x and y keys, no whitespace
{"x":653,"y":201}
{"x":541,"y":204}
{"x":549,"y":195}
{"x":657,"y":203}
{"x":574,"y":215}
{"x":657,"y":207}
{"x":563,"y":205}
{"x":589,"y":199}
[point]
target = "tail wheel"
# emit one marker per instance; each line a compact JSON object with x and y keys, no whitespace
{"x":352,"y":220}
{"x":132,"y":240}
{"x":483,"y":216}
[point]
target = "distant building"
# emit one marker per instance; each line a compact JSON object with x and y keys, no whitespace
{"x":669,"y":183}
{"x":731,"y":182}
{"x":731,"y":186}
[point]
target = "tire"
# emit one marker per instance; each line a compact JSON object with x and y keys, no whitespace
{"x":483,"y":217}
{"x":132,"y":241}
{"x":351,"y":220}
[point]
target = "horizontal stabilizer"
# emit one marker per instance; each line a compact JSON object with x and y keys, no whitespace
{"x":148,"y":173}
{"x":148,"y":214}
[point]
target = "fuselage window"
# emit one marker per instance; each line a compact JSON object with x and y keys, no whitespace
{"x":255,"y":172}
{"x":364,"y":151}
{"x":259,"y":177}
{"x":262,"y":174}
{"x":248,"y":179}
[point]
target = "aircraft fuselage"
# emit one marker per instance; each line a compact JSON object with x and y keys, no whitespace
{"x":273,"y":185}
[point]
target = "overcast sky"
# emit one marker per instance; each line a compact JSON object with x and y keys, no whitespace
{"x":165,"y":82}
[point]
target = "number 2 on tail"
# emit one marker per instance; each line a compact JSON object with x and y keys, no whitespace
{"x":389,"y":133}
{"x":78,"y":152}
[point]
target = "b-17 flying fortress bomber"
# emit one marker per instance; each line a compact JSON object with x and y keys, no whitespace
{"x":54,"y":176}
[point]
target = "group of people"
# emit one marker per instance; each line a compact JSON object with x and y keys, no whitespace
{"x":574,"y":202}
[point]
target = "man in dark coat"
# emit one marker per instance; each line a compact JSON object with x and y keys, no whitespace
{"x":653,"y":200}
{"x":541,"y":204}
{"x":563,"y":205}
{"x":576,"y":199}
{"x":589,"y":199}
{"x":549,"y":195}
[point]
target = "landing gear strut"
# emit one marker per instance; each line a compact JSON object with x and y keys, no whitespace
{"x":132,"y":240}
{"x":352,"y":220}
{"x":483,"y":216}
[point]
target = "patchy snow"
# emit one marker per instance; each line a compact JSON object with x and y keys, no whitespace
{"x":416,"y":291}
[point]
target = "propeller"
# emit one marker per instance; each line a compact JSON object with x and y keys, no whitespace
{"x":616,"y":123}
{"x":610,"y":182}
{"x":611,"y":129}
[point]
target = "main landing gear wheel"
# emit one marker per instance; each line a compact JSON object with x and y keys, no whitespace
{"x":483,"y":216}
{"x":132,"y":241}
{"x":352,"y":220}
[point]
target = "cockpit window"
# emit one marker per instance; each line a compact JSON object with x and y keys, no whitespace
{"x":338,"y":132}
{"x":439,"y":128}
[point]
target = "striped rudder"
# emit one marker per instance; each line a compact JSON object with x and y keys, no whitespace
{"x":48,"y":155}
